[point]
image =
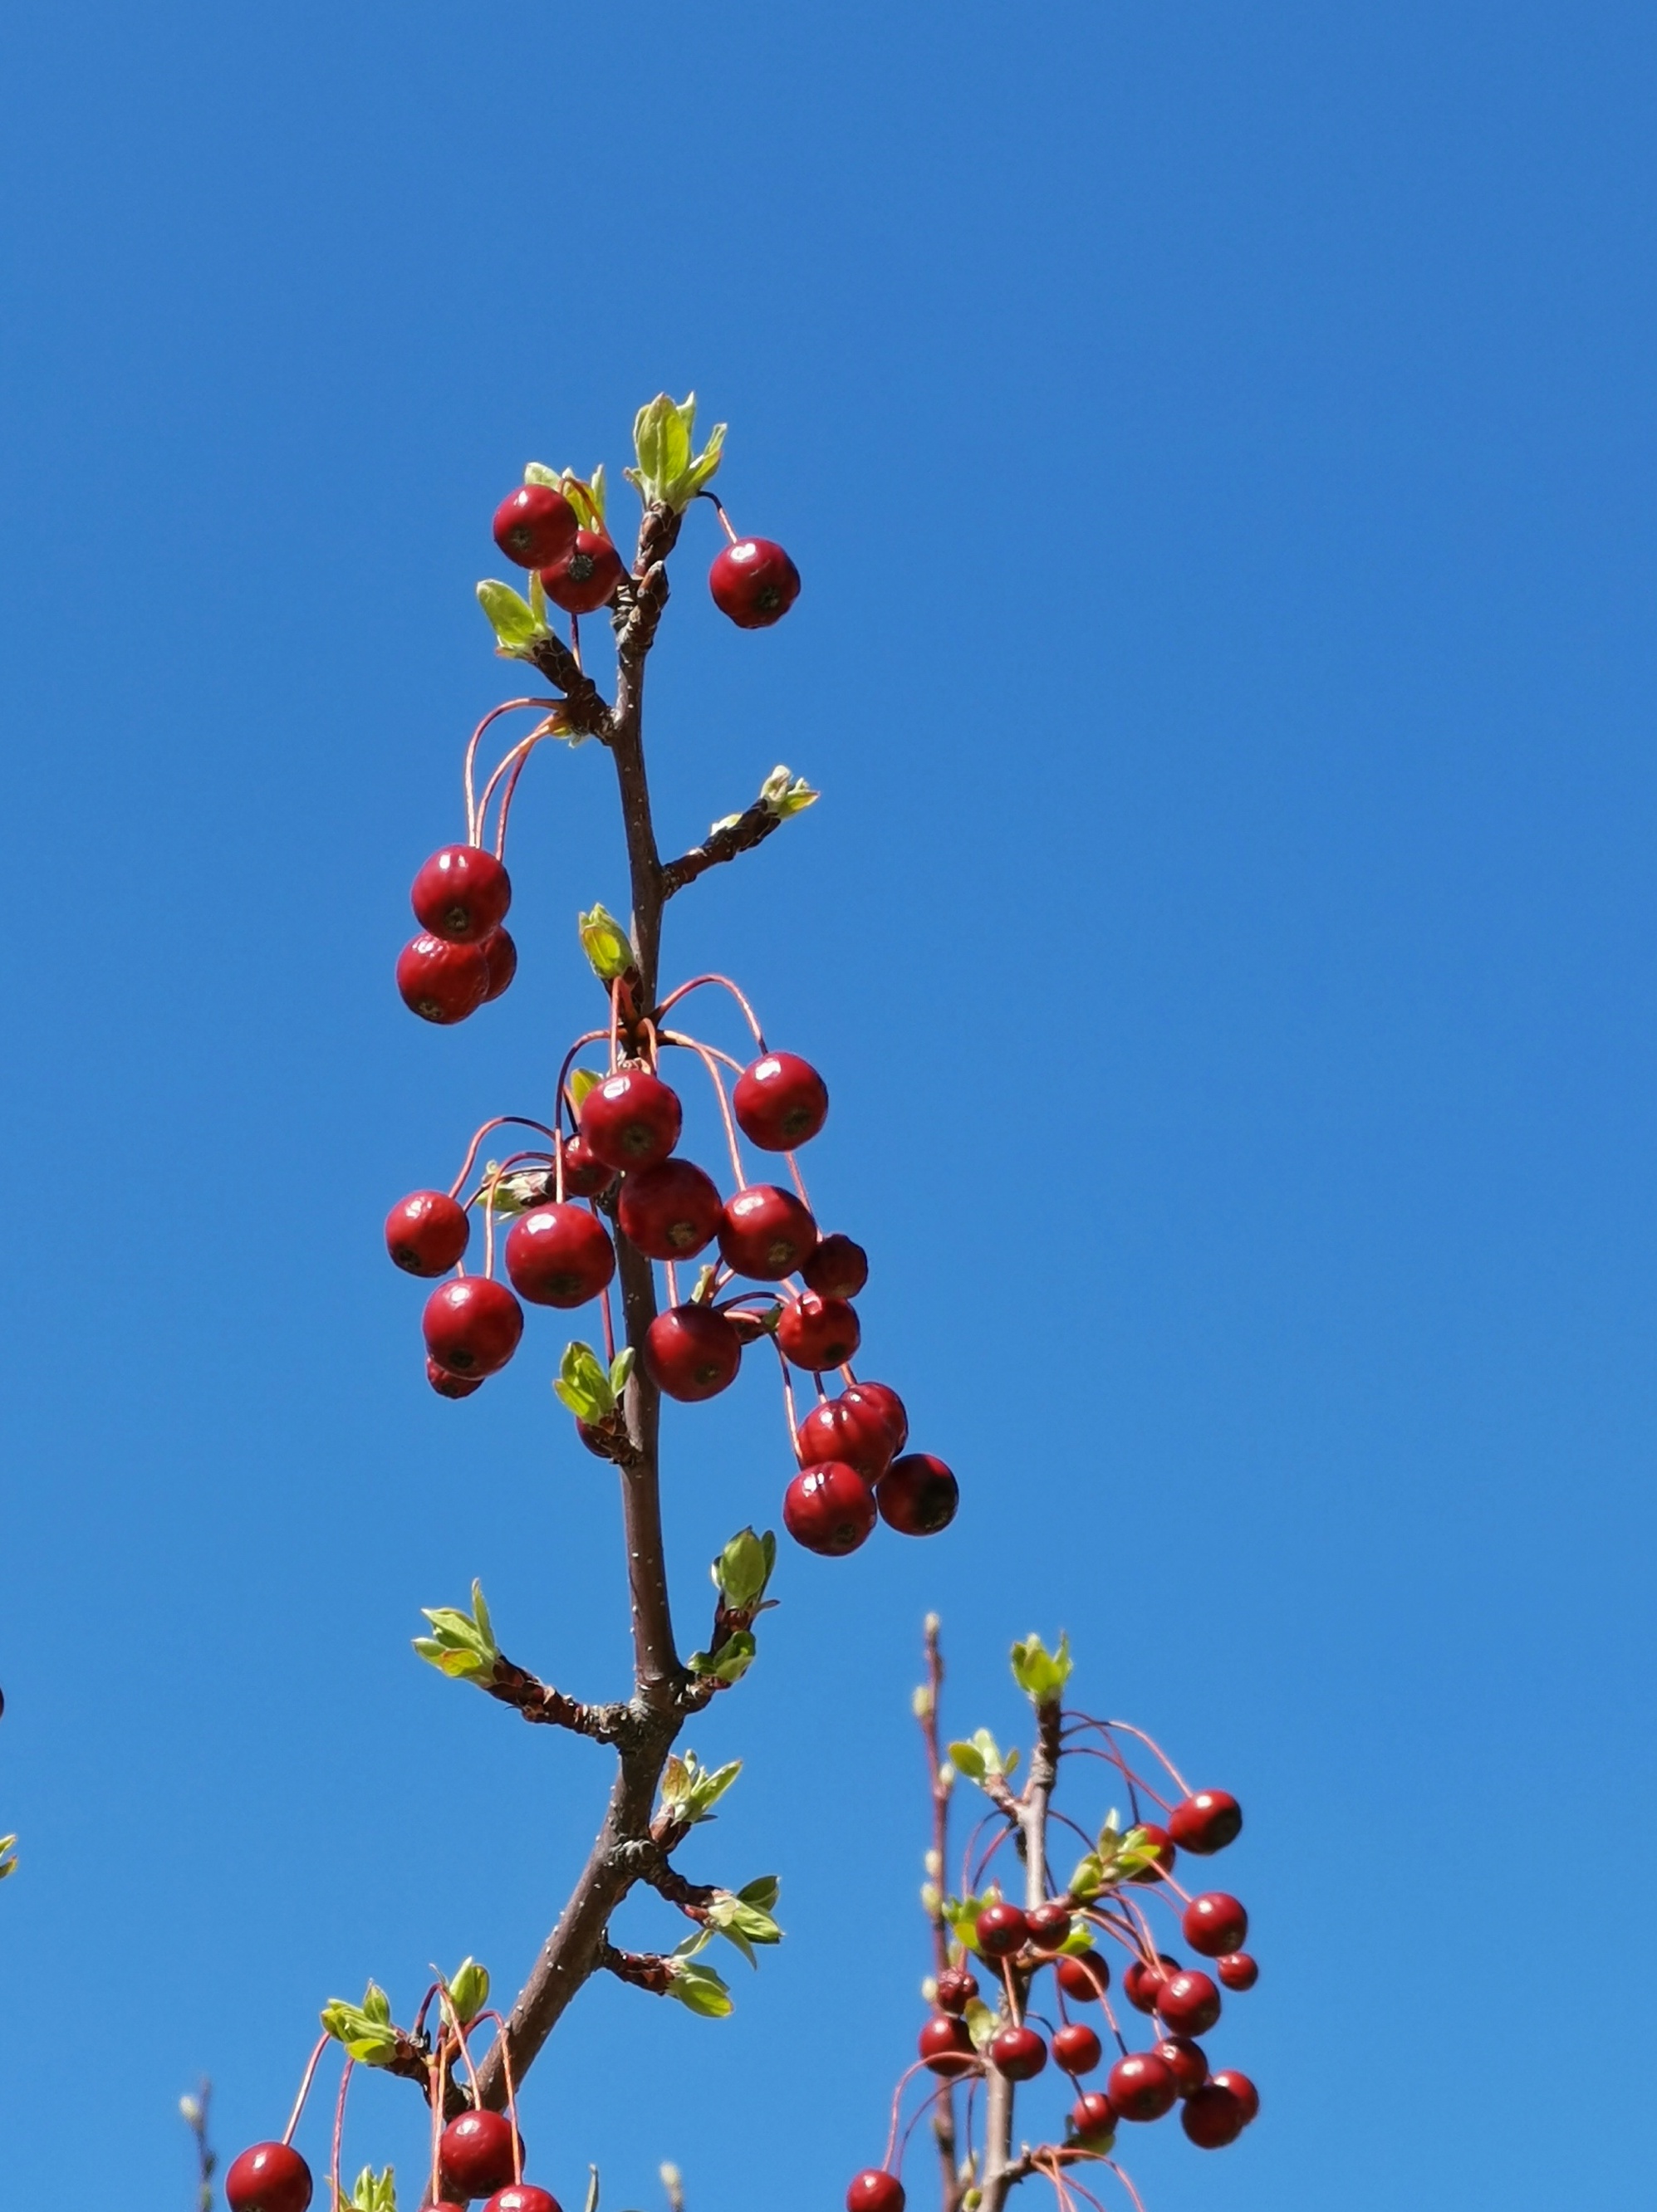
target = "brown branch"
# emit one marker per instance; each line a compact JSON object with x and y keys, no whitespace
{"x":538,"y":1701}
{"x":937,"y":1868}
{"x":750,"y":828}
{"x":642,"y":1970}
{"x":587,"y":711}
{"x":648,"y":1863}
{"x":1001,"y":2171}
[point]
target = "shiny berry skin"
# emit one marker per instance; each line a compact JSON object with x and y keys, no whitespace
{"x":873,"y":2189}
{"x":1001,"y":1930}
{"x":1214,"y":1923}
{"x":1186,"y":2061}
{"x":559,"y":1255}
{"x":271,"y":2176}
{"x":1166,"y":1854}
{"x":854,"y":1433}
{"x":440,"y":981}
{"x":586,"y":576}
{"x":1140,"y":1982}
{"x":1050,"y":1925}
{"x":1141,"y":2086}
{"x":1092,"y":2118}
{"x":585,"y":1176}
{"x":829,"y":1508}
{"x":523,"y":2196}
{"x":956,"y":1989}
{"x":944,"y":2045}
{"x":754,"y":582}
{"x":1242,"y":2088}
{"x":780,"y":1101}
{"x":631,"y":1120}
{"x":765,"y":1233}
{"x":1237,"y":1970}
{"x":1019,"y":2053}
{"x":691,"y":1352}
{"x":451,"y":1386}
{"x":535,"y":526}
{"x":1205,"y":1822}
{"x":838,"y":1267}
{"x":474,"y":2154}
{"x":472,"y":1325}
{"x":917,"y":1495}
{"x":1189,"y":2003}
{"x":502,"y":955}
{"x":427,"y":1232}
{"x":461,"y":894}
{"x":670,"y":1211}
{"x":817,"y":1333}
{"x":886,"y":1402}
{"x":1212,"y":2117}
{"x":1076,"y":2048}
{"x":1084,"y":1976}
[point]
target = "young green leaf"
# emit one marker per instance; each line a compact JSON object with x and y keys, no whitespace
{"x":511,"y":619}
{"x":374,"y":2192}
{"x":743,"y":1569}
{"x":582,"y":1080}
{"x":468,"y":1989}
{"x":1042,"y":1674}
{"x":981,"y":2023}
{"x":537,"y":473}
{"x":763,"y":1892}
{"x":667,"y":471}
{"x":369,"y":2040}
{"x":969,"y":1760}
{"x":8,"y":1855}
{"x":621,"y":1370}
{"x":462,"y":1645}
{"x":782,"y":793}
{"x":606,"y":943}
{"x":699,"y":1988}
{"x":583,"y":1385}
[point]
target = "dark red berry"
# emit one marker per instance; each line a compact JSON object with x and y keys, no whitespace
{"x":1189,"y":2003}
{"x":535,"y":525}
{"x":585,"y":1176}
{"x":451,"y":1386}
{"x":873,"y":2189}
{"x":472,"y":1326}
{"x":461,"y":894}
{"x":501,"y":954}
{"x":670,"y":1211}
{"x":1001,"y":1930}
{"x":944,"y":2045}
{"x":754,"y":582}
{"x":440,"y":981}
{"x":271,"y":2176}
{"x":765,"y":1233}
{"x":818,"y":1332}
{"x":691,"y":1352}
{"x":631,"y":1120}
{"x":1141,"y":2086}
{"x":917,"y":1495}
{"x":1140,"y":1981}
{"x":1214,"y":1923}
{"x":1212,"y":2118}
{"x":854,"y":1433}
{"x":1242,"y":2088}
{"x":427,"y":1232}
{"x":523,"y":2196}
{"x":559,"y":1255}
{"x":1205,"y":1822}
{"x":1159,"y":1839}
{"x":956,"y":1989}
{"x":586,"y":576}
{"x":1076,"y":2048}
{"x":1019,"y":2053}
{"x":838,"y":1268}
{"x":829,"y":1508}
{"x":1050,"y":1925}
{"x":1237,"y":1970}
{"x":1186,"y":2061}
{"x":780,"y":1101}
{"x":1092,"y":2118}
{"x":1084,"y":1976}
{"x":474,"y":2154}
{"x":886,"y":1402}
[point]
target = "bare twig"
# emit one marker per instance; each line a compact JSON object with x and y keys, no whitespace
{"x":538,"y":1701}
{"x":937,"y":1862}
{"x":750,"y":828}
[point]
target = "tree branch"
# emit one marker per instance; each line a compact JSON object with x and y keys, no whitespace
{"x":750,"y":828}
{"x":587,"y":711}
{"x":538,"y":1701}
{"x":1001,"y":2171}
{"x":937,"y":1868}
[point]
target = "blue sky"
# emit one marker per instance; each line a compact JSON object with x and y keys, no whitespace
{"x":1216,"y":443}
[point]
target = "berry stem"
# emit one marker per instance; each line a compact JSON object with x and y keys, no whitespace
{"x":725,"y":519}
{"x":707,"y":1057}
{"x":305,"y":2088}
{"x":501,"y":1121}
{"x":340,"y":2130}
{"x":697,"y":982}
{"x":508,"y":706}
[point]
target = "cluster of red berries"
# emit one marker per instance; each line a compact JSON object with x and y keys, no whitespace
{"x":479,"y":2153}
{"x":463,"y":956}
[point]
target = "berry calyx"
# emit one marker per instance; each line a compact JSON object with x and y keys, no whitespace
{"x":451,"y":1386}
{"x":829,"y":1508}
{"x":523,"y":2196}
{"x":559,"y":1255}
{"x":1140,"y":1980}
{"x":1206,"y":1821}
{"x":1212,"y":2117}
{"x":873,"y":2189}
{"x":474,"y":2154}
{"x":1141,"y":2086}
{"x":917,"y":1495}
{"x":1001,"y":1930}
{"x":461,"y":894}
{"x":631,"y":1120}
{"x":691,"y":1352}
{"x":838,"y":1267}
{"x":1159,"y":1840}
{"x":1076,"y":2048}
{"x":843,"y":1429}
{"x":1092,"y":2118}
{"x":472,"y":1327}
{"x":944,"y":2045}
{"x":1188,"y":2003}
{"x":1049,"y":1923}
{"x":886,"y":1402}
{"x":754,"y":582}
{"x":765,"y":1232}
{"x":818,"y":1332}
{"x":1084,"y":1975}
{"x":956,"y":1990}
{"x":1238,"y":1971}
{"x":780,"y":1101}
{"x":585,"y":1175}
{"x":1019,"y":2053}
{"x":427,"y":1232}
{"x":670,"y":1211}
{"x":440,"y":981}
{"x":1239,"y":2086}
{"x":501,"y":954}
{"x":271,"y":2177}
{"x":1214,"y":1923}
{"x":535,"y":525}
{"x":1186,"y":2061}
{"x":586,"y":576}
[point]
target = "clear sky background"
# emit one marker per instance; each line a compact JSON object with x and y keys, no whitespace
{"x":1217,"y":444}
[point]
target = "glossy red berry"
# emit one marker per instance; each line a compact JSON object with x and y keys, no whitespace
{"x":1238,"y":1971}
{"x":1141,"y":2086}
{"x":474,"y":2154}
{"x":427,"y":1232}
{"x":1212,"y":2117}
{"x":1242,"y":2088}
{"x":1084,"y":1976}
{"x":271,"y":2176}
{"x":1186,"y":2061}
{"x":1159,"y":1839}
{"x":670,"y":1211}
{"x":873,"y":2189}
{"x":1205,"y":1822}
{"x":956,"y":1989}
{"x":829,"y":1508}
{"x":886,"y":1402}
{"x":852,"y":1432}
{"x":523,"y":2196}
{"x":838,"y":1267}
{"x":559,"y":1255}
{"x":1019,"y":2053}
{"x":765,"y":1233}
{"x":1001,"y":1930}
{"x":1189,"y":2003}
{"x":691,"y":1352}
{"x":944,"y":2045}
{"x":917,"y":1495}
{"x":1050,"y":1925}
{"x":440,"y":981}
{"x":1092,"y":2118}
{"x":461,"y":894}
{"x":502,"y":955}
{"x":535,"y":525}
{"x":472,"y":1325}
{"x":780,"y":1101}
{"x":818,"y":1332}
{"x":1140,"y":1981}
{"x":1076,"y":2048}
{"x":754,"y":582}
{"x":586,"y":576}
{"x":631,"y":1120}
{"x":585,"y":1176}
{"x":451,"y":1386}
{"x":1214,"y":1923}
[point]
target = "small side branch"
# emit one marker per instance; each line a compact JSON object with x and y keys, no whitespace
{"x":641,"y":1969}
{"x":540,"y":1702}
{"x":587,"y":710}
{"x":750,"y":828}
{"x":645,"y":1861}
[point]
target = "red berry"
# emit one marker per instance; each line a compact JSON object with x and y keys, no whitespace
{"x":472,"y":1326}
{"x":585,"y":1176}
{"x":886,"y":1402}
{"x":691,"y":1352}
{"x":838,"y":1267}
{"x":1189,"y":2003}
{"x":1186,"y":2061}
{"x":631,"y":1120}
{"x":1150,"y":1834}
{"x":440,"y":981}
{"x":754,"y":582}
{"x":427,"y":1232}
{"x":780,"y":1101}
{"x":944,"y":2045}
{"x":1092,"y":2118}
{"x":1237,"y":1970}
{"x":1141,"y":2086}
{"x":461,"y":894}
{"x":1001,"y":1930}
{"x":765,"y":1233}
{"x":1205,"y":1822}
{"x":828,"y":1509}
{"x":818,"y":1332}
{"x":1049,"y":1926}
{"x":917,"y":1495}
{"x":956,"y":1989}
{"x":1212,"y":2118}
{"x":854,"y":1433}
{"x":670,"y":1211}
{"x":586,"y":576}
{"x":451,"y":1386}
{"x":1242,"y":2088}
{"x":1019,"y":2053}
{"x":1085,"y":1976}
{"x":535,"y":525}
{"x":1140,"y":1981}
{"x":474,"y":2154}
{"x":523,"y":2196}
{"x":271,"y":2176}
{"x":1214,"y":1923}
{"x":1076,"y":2048}
{"x":873,"y":2189}
{"x":501,"y":954}
{"x":559,"y":1255}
